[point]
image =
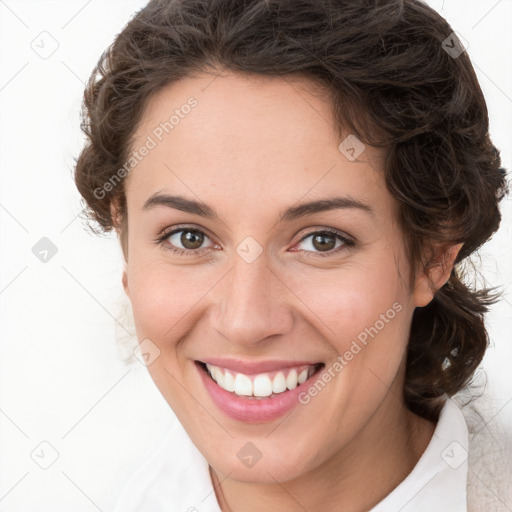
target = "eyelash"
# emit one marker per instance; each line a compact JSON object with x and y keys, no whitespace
{"x":347,"y":242}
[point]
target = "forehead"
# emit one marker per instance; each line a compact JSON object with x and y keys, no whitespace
{"x":248,"y":137}
{"x":234,"y":112}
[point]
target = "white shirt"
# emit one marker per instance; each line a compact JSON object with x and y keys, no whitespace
{"x":176,"y":477}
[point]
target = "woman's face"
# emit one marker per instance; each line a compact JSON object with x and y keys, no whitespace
{"x":256,"y":284}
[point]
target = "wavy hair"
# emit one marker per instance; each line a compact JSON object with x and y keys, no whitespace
{"x":396,"y":77}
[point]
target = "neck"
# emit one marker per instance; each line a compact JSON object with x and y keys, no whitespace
{"x":383,"y":454}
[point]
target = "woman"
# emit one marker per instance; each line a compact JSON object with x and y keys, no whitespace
{"x":294,"y":185}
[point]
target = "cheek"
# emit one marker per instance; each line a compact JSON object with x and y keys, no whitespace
{"x":161,"y":296}
{"x":354,"y":302}
{"x":163,"y":301}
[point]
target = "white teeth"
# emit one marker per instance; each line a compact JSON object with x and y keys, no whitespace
{"x":229,"y":382}
{"x":261,"y":385}
{"x":302,"y":376}
{"x":279,"y":383}
{"x":243,"y":385}
{"x":291,"y":380}
{"x":220,"y":378}
{"x":213,"y":371}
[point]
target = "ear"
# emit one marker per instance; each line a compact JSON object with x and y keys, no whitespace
{"x":124,"y":280}
{"x":435,"y":276}
{"x":115,"y":214}
{"x":120,"y":226}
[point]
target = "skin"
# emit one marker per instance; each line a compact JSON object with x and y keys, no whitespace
{"x":251,"y":148}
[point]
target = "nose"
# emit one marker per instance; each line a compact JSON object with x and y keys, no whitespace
{"x":252,"y":304}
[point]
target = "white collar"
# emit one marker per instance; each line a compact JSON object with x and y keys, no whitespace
{"x":177,"y":477}
{"x":439,"y":479}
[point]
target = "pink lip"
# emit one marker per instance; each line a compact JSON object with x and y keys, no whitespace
{"x":253,"y":367}
{"x":250,"y":410}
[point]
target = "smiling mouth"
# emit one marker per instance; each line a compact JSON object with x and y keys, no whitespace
{"x":262,"y":385}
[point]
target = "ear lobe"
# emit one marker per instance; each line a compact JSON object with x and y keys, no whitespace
{"x":435,"y":276}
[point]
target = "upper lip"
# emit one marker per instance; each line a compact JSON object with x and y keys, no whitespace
{"x":255,"y":367}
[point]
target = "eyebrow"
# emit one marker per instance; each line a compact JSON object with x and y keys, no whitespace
{"x":295,"y":212}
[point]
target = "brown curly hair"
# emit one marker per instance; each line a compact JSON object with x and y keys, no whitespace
{"x":391,"y":80}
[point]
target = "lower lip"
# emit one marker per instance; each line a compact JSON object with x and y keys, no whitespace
{"x":250,"y":410}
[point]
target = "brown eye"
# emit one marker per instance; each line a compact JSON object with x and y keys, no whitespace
{"x":325,"y":243}
{"x":184,"y":241}
{"x":191,"y":239}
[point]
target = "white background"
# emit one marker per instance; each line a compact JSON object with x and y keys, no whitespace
{"x":62,"y":377}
